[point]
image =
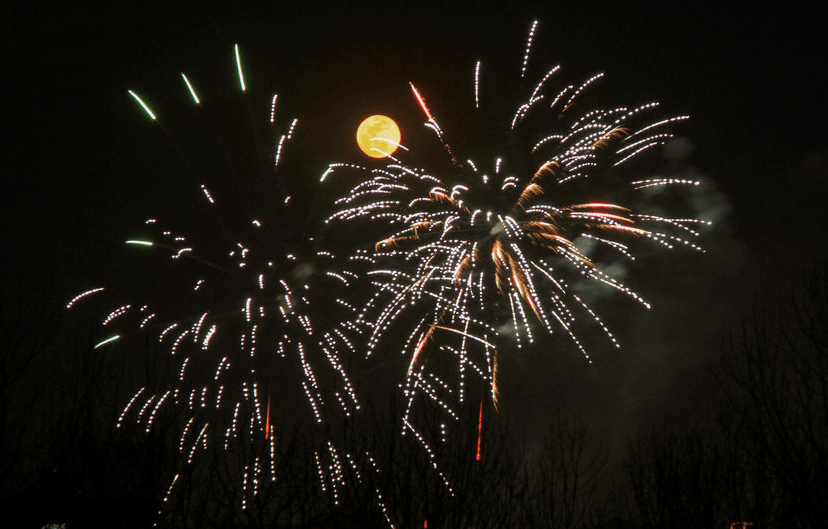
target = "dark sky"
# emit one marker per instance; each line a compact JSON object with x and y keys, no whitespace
{"x":80,"y":174}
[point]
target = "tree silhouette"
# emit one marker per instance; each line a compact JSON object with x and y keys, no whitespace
{"x":764,"y":460}
{"x":775,"y":409}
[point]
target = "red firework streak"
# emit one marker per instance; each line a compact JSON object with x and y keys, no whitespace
{"x":431,"y":120}
{"x":267,"y":419}
{"x":421,"y":101}
{"x":479,"y":432}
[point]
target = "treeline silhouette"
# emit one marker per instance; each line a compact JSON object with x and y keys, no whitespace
{"x":760,"y":461}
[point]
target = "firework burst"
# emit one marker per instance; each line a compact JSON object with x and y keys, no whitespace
{"x":485,"y":253}
{"x":243,"y":308}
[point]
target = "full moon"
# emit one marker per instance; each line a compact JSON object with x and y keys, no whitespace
{"x":378,"y":136}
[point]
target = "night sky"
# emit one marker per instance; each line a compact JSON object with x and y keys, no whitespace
{"x":85,"y":168}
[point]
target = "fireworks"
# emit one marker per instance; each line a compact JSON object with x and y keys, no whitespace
{"x":238,"y":314}
{"x":478,"y":255}
{"x":488,"y":252}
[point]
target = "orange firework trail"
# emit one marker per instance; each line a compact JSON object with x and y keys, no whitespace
{"x":420,"y":346}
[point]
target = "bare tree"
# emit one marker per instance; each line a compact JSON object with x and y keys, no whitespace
{"x":775,"y":409}
{"x":28,"y":325}
{"x":564,"y":481}
{"x":765,"y":460}
{"x":676,"y":480}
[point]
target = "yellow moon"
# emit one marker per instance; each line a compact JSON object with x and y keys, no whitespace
{"x":378,"y":136}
